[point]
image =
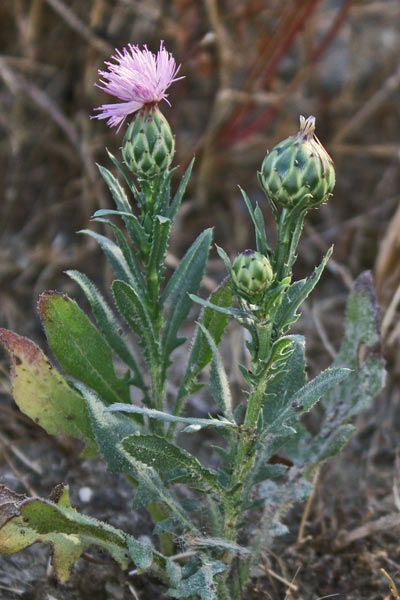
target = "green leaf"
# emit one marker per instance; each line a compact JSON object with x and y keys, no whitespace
{"x":115,"y":257}
{"x":109,"y":429}
{"x":108,"y":324}
{"x":155,"y":265}
{"x":283,"y":409}
{"x":215,"y":323}
{"x":225,"y":310}
{"x":137,"y":317}
{"x":201,"y":583}
{"x":159,"y":454}
{"x":141,"y":553}
{"x":194,"y":423}
{"x":121,"y":201}
{"x":136,"y":277}
{"x":259,"y":225}
{"x":53,"y":521}
{"x":174,"y":206}
{"x":136,"y":231}
{"x":186,"y":279}
{"x":218,"y":379}
{"x":295,"y":296}
{"x":43,"y":394}
{"x":267,"y":471}
{"x":79,"y":347}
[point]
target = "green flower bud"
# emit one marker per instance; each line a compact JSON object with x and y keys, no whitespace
{"x":251,"y":275}
{"x":297,"y":169}
{"x":148,"y":147}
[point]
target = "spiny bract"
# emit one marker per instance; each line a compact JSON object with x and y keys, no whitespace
{"x":251,"y":274}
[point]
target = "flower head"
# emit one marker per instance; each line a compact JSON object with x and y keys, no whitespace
{"x":139,"y":78}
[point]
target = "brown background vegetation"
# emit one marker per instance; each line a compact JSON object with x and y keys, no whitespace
{"x":252,"y":67}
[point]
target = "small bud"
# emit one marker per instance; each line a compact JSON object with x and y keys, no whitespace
{"x":298,"y":168}
{"x":148,"y":147}
{"x":252,"y":275}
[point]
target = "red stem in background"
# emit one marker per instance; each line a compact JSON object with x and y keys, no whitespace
{"x":333,"y":31}
{"x":236,"y":135}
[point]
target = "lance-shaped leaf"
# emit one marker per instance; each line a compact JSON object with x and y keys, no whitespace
{"x":136,"y":277}
{"x":295,"y":296}
{"x":174,"y":206}
{"x":137,"y":317}
{"x":139,"y":237}
{"x":159,"y":454}
{"x":219,"y":384}
{"x":282,"y":409}
{"x":108,"y":324}
{"x":194,"y":424}
{"x":236,"y":313}
{"x":116,"y":259}
{"x":259,"y":225}
{"x":24,"y":521}
{"x":159,"y":244}
{"x":43,"y":394}
{"x":186,"y":279}
{"x":79,"y":347}
{"x":109,"y":428}
{"x":118,"y":194}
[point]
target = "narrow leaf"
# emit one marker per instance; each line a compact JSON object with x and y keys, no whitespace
{"x":218,"y":379}
{"x":159,"y":454}
{"x":259,"y":225}
{"x":173,"y":209}
{"x":195,"y":423}
{"x":137,"y":317}
{"x":186,"y":279}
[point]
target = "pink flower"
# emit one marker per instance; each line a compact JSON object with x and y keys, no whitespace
{"x":139,"y":78}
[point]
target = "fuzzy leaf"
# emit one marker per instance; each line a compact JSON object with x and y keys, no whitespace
{"x":175,"y":204}
{"x":259,"y":225}
{"x":43,"y":394}
{"x":141,"y":553}
{"x":137,"y":317}
{"x":110,"y":429}
{"x":115,"y":257}
{"x":163,"y":456}
{"x":218,"y":379}
{"x":79,"y":347}
{"x":155,"y":265}
{"x":282,"y":409}
{"x":201,"y":583}
{"x":108,"y":324}
{"x":225,"y":310}
{"x":194,"y":423}
{"x":295,"y":296}
{"x":137,"y":233}
{"x":186,"y":279}
{"x":24,"y":521}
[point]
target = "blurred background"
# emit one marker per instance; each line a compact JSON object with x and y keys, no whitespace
{"x":251,"y":68}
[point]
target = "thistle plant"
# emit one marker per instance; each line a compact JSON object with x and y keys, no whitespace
{"x":113,"y":396}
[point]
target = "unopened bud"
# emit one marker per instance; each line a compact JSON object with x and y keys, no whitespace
{"x":148,"y":147}
{"x":251,"y":274}
{"x":299,"y":168}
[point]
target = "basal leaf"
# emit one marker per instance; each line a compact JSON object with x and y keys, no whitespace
{"x":109,"y":429}
{"x":43,"y":394}
{"x":201,"y":583}
{"x":24,"y":521}
{"x":79,"y":347}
